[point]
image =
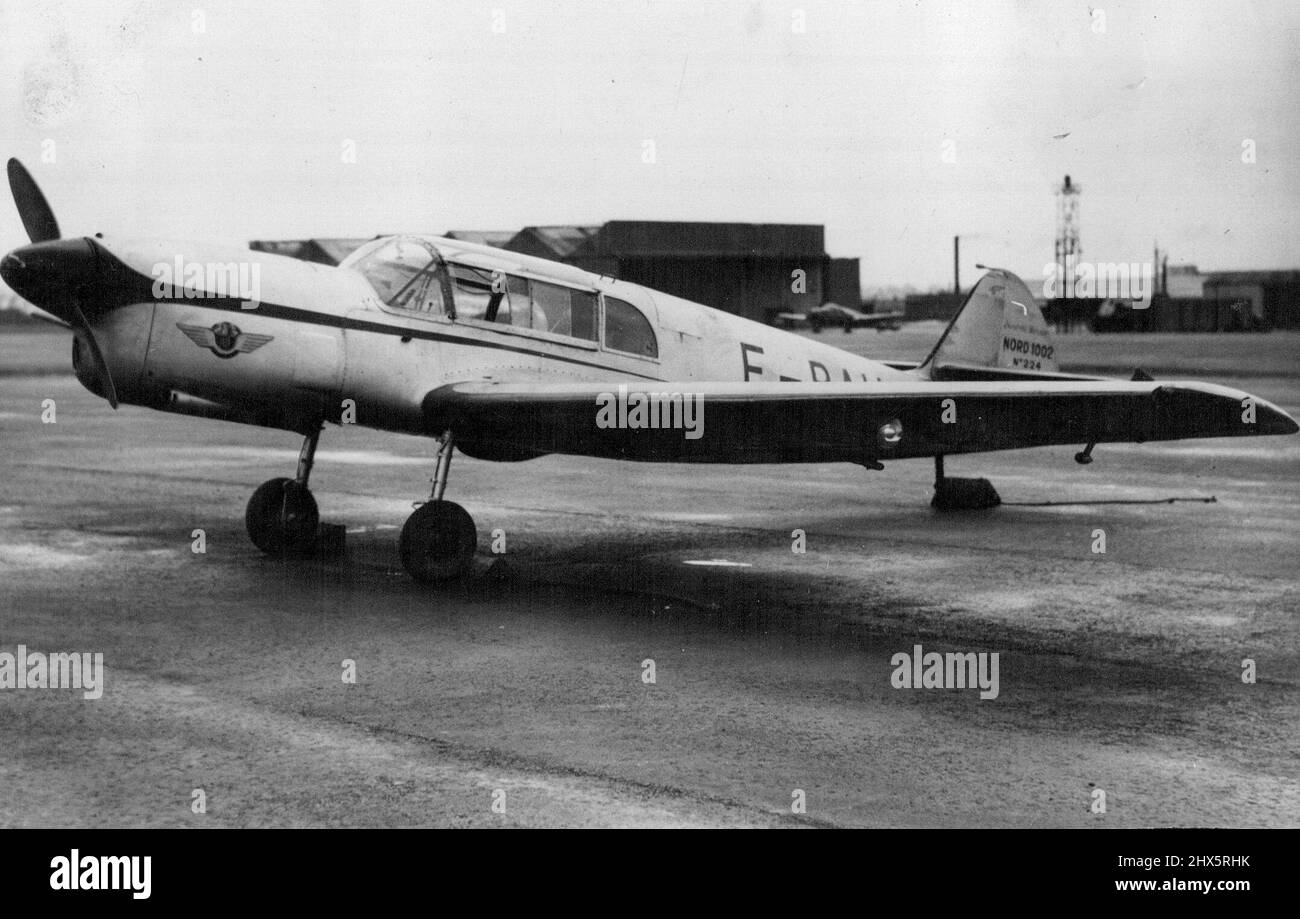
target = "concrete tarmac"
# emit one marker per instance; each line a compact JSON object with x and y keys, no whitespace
{"x":1120,"y":672}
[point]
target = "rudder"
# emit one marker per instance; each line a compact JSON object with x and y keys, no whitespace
{"x":998,"y":326}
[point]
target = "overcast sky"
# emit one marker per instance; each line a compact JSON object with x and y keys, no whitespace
{"x":231,"y":121}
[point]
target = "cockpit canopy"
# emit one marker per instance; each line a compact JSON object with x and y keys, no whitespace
{"x":410,"y":275}
{"x":403,"y":270}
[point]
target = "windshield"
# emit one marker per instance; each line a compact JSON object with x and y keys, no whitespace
{"x":405,"y":272}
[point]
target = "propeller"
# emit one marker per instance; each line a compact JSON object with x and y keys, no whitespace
{"x":35,"y":211}
{"x":105,"y":379}
{"x":38,"y":219}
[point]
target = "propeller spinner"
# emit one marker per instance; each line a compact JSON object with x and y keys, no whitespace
{"x":54,"y":273}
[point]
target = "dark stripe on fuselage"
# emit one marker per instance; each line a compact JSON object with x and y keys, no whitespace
{"x":309,"y":317}
{"x":139,"y":289}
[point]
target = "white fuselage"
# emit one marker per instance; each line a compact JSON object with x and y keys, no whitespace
{"x":328,"y":338}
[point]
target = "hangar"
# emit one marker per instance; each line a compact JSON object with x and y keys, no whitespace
{"x":749,"y":269}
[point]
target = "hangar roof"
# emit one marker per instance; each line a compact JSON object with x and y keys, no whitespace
{"x":494,"y":238}
{"x":323,"y":251}
{"x":559,"y":242}
{"x":652,"y":238}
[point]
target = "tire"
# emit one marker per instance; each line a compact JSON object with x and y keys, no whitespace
{"x":282,"y":518}
{"x":438,"y":542}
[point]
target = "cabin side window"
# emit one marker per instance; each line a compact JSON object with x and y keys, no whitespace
{"x":627,"y":329}
{"x":515,"y":307}
{"x":473,"y":294}
{"x":563,"y":310}
{"x":524,"y":303}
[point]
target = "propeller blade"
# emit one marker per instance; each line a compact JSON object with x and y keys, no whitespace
{"x":34,"y":210}
{"x":101,"y":367}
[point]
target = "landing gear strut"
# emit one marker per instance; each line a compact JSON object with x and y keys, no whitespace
{"x":282,"y":518}
{"x":952,"y":494}
{"x":439,"y":539}
{"x":1084,"y":457}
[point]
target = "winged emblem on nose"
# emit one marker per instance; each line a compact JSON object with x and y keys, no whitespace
{"x":224,"y":339}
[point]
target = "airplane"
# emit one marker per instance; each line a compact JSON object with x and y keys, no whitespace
{"x":507,"y":357}
{"x":832,"y":314}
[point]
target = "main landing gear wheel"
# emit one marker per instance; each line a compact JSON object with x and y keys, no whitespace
{"x":438,"y":542}
{"x":439,"y":539}
{"x":282,"y":518}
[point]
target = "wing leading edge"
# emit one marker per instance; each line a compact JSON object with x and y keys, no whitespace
{"x":830,"y":422}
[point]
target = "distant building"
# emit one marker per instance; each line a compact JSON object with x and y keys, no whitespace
{"x":559,"y":244}
{"x":1270,"y":299}
{"x":495,"y":238}
{"x":1183,"y":282}
{"x":1227,"y":301}
{"x":843,"y":282}
{"x":943,"y":306}
{"x":321,"y":251}
{"x":751,"y":270}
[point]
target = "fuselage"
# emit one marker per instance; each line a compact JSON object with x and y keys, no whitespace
{"x":229,"y":332}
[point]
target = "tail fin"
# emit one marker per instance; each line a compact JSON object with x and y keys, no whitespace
{"x":999,"y":327}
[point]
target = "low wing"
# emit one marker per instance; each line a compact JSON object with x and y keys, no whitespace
{"x":821,"y":422}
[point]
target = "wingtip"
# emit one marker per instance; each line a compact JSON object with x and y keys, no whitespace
{"x":1273,"y":420}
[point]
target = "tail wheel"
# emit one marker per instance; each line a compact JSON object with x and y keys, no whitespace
{"x":282,"y":517}
{"x":438,"y":542}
